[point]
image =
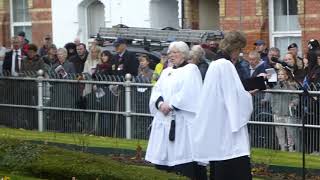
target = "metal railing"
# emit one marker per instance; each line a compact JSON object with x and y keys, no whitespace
{"x":119,"y":107}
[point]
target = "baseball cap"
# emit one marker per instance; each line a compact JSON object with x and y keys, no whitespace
{"x":292,"y":45}
{"x":21,"y":33}
{"x":119,"y":41}
{"x":259,"y":42}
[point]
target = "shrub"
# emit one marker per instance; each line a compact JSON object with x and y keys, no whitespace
{"x":54,"y":163}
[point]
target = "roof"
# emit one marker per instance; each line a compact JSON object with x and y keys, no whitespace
{"x":160,"y":35}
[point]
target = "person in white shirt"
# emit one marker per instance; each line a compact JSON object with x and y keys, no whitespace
{"x":219,"y":132}
{"x":173,"y":106}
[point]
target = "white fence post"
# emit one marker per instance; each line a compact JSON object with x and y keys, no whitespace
{"x":40,"y":74}
{"x":128,"y":105}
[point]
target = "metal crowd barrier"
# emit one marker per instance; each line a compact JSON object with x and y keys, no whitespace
{"x":119,"y":107}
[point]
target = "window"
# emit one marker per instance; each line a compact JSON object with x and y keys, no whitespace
{"x":284,"y":22}
{"x":20,"y":17}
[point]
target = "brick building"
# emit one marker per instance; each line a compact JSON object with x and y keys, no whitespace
{"x":278,"y":22}
{"x":31,"y":16}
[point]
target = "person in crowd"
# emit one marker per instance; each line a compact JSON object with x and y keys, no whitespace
{"x":80,"y":58}
{"x":3,"y":51}
{"x":312,"y":82}
{"x":164,"y":63}
{"x":305,"y":62}
{"x":63,"y":94}
{"x":51,"y":58}
{"x":77,"y":41}
{"x":32,"y":62}
{"x":313,"y":73}
{"x":213,"y":46}
{"x":125,"y":61}
{"x":293,"y":48}
{"x":283,"y":106}
{"x":297,"y":68}
{"x":169,"y":146}
{"x":313,"y":45}
{"x":210,"y":56}
{"x":90,"y":65}
{"x":261,"y":48}
{"x":273,"y":53}
{"x":105,"y":66}
{"x":12,"y":60}
{"x":256,"y":65}
{"x":47,"y":42}
{"x":144,"y":71}
{"x":29,"y":67}
{"x":241,"y":66}
{"x":63,"y":68}
{"x":94,"y":58}
{"x":219,"y":132}
{"x":24,"y":42}
{"x":71,"y":49}
{"x":197,"y":57}
{"x":240,"y":63}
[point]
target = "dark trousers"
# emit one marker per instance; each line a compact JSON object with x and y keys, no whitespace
{"x":237,"y":168}
{"x":191,"y":170}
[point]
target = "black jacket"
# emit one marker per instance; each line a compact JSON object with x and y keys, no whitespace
{"x":7,"y":63}
{"x":78,"y":62}
{"x":128,"y":63}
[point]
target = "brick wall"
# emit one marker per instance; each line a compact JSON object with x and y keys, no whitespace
{"x":41,"y":19}
{"x":191,"y":13}
{"x":309,"y":16}
{"x":4,"y":23}
{"x":249,"y":16}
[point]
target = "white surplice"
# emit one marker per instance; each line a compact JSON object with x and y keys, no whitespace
{"x":180,"y":88}
{"x":220,"y":129}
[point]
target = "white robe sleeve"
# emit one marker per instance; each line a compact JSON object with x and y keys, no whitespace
{"x":191,"y":87}
{"x":155,"y":94}
{"x":237,"y":100}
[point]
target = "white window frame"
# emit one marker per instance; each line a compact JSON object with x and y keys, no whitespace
{"x":275,"y":34}
{"x":16,"y":24}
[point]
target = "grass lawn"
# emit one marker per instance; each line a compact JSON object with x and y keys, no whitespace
{"x":270,"y":157}
{"x":16,"y":177}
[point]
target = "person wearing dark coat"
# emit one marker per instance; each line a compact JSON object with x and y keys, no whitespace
{"x":24,"y":42}
{"x":125,"y":61}
{"x":197,"y":55}
{"x":262,"y":49}
{"x":312,"y":82}
{"x":12,"y":60}
{"x":71,"y":49}
{"x":80,"y":58}
{"x":256,"y":65}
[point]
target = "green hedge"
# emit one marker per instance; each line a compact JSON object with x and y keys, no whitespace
{"x":54,"y":163}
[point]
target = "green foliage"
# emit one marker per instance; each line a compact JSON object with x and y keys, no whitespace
{"x":18,"y":157}
{"x":54,"y":163}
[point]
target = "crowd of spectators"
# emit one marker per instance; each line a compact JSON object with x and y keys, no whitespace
{"x":77,"y":61}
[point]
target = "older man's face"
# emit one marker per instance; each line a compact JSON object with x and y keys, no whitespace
{"x":253,"y":60}
{"x":15,"y":44}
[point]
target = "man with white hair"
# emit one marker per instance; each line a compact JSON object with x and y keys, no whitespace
{"x":256,"y":65}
